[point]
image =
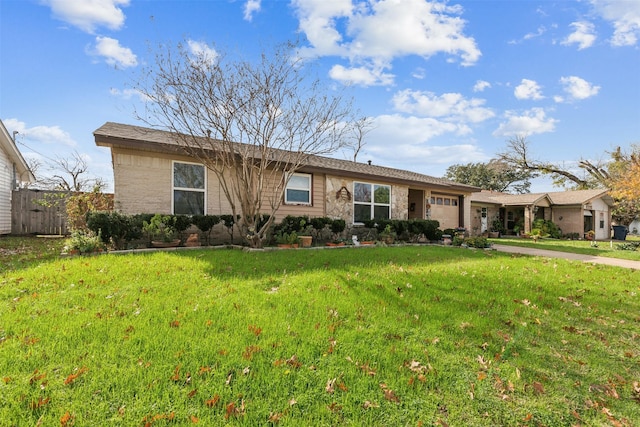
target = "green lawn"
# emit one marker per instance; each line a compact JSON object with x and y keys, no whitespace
{"x":356,"y":336}
{"x":603,"y":248}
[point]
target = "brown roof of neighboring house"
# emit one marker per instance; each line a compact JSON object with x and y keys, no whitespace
{"x":573,"y":197}
{"x":140,"y":138}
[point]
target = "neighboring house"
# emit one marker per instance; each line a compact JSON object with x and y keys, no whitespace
{"x":148,"y":163}
{"x":573,"y":211}
{"x":13,"y":171}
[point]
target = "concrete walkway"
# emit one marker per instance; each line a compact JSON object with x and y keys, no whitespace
{"x":570,"y":256}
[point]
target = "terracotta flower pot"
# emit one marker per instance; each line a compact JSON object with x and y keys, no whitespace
{"x":306,"y":241}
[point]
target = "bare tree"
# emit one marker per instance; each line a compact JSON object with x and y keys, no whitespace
{"x":252,"y":124}
{"x":613,"y":174}
{"x":361,"y":127}
{"x":518,"y":155}
{"x":65,"y":174}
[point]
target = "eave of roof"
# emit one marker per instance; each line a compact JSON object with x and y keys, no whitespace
{"x":139,"y":138}
{"x":9,"y":146}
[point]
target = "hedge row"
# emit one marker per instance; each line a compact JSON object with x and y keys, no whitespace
{"x":117,"y":229}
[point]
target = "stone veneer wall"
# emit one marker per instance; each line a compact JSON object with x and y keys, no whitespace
{"x":339,"y":199}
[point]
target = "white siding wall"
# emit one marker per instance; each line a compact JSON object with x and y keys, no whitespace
{"x":6,"y":173}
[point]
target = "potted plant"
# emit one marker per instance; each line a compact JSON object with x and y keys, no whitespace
{"x":305,"y":236}
{"x":387,"y":235}
{"x":496,"y":228}
{"x":287,"y":240}
{"x":161,"y":230}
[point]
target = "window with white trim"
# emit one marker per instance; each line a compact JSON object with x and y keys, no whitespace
{"x":371,"y":201}
{"x":298,"y":191}
{"x":189,"y":188}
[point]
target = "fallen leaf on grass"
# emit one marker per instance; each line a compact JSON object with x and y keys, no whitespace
{"x":330,"y":387}
{"x":210,"y":403}
{"x":389,"y":394}
{"x":234,"y":411}
{"x":66,"y":419}
{"x":538,"y":387}
{"x":255,"y":330}
{"x":176,"y":374}
{"x":636,"y":391}
{"x":72,"y":377}
{"x":36,"y":376}
{"x":368,"y":405}
{"x":37,"y":404}
{"x":250,"y":351}
{"x":275,"y":418}
{"x":194,"y":419}
{"x":334,"y":407}
{"x":192,"y":393}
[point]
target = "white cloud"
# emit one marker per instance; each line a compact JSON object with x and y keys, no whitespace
{"x":451,"y":107}
{"x":374,"y":33}
{"x":89,"y":14}
{"x":528,"y":89}
{"x":577,"y":89}
{"x":113,"y":53}
{"x":583,"y":35}
{"x":403,"y":142}
{"x":481,"y":85}
{"x":625,"y":17}
{"x":360,"y":76}
{"x":202,"y":51}
{"x":529,"y":123}
{"x":128,"y":94}
{"x":251,"y":7}
{"x":39,"y":134}
{"x":541,"y":30}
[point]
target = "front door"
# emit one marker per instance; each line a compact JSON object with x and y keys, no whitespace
{"x":483,"y":221}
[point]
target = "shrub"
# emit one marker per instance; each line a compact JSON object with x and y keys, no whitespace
{"x":547,"y":229}
{"x":477,"y":242}
{"x":80,"y":204}
{"x":628,"y":246}
{"x":161,"y":227}
{"x":205,"y":223}
{"x":83,"y":242}
{"x":338,"y":225}
{"x":114,"y":228}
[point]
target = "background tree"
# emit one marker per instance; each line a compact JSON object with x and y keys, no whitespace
{"x":65,"y":174}
{"x":252,"y":124}
{"x":496,"y":175}
{"x":619,"y":174}
{"x":361,"y":127}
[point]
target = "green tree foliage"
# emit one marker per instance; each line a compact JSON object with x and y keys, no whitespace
{"x":495,"y":175}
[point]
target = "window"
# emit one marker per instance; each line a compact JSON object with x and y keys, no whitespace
{"x":298,"y":189}
{"x":439,"y":200}
{"x":188,"y":189}
{"x":371,"y":201}
{"x":454,"y":202}
{"x":447,"y":202}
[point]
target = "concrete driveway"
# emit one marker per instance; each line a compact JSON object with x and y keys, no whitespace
{"x":570,"y":256}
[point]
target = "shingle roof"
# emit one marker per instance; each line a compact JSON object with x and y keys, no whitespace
{"x":158,"y":140}
{"x":574,"y":197}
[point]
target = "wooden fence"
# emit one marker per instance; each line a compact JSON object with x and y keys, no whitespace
{"x":38,"y":212}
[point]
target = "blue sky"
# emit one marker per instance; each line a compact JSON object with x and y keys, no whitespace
{"x":444,"y":82}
